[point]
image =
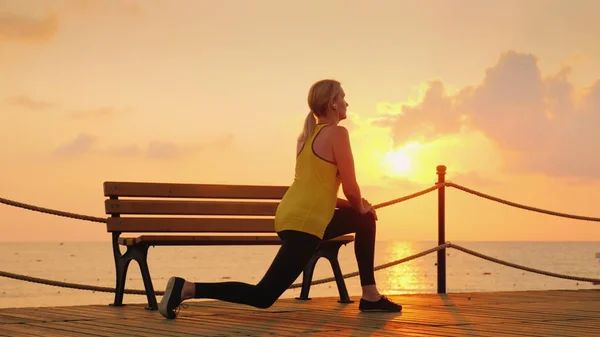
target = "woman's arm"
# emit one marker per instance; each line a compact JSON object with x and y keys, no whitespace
{"x":342,"y":153}
{"x":342,"y":203}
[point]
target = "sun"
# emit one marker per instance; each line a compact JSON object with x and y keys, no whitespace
{"x":397,"y":163}
{"x":404,"y":161}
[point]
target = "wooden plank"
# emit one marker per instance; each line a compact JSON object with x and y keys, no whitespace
{"x":30,"y":330}
{"x":178,"y":190}
{"x":7,"y":331}
{"x":171,"y":207}
{"x":32,"y":315}
{"x":150,"y":328}
{"x":210,"y":240}
{"x":210,"y":225}
{"x":106,"y":312}
{"x":183,"y":328}
{"x":11,"y":319}
{"x":89,"y":329}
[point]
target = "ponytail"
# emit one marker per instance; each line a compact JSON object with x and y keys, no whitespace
{"x":309,"y":127}
{"x":320,"y":95}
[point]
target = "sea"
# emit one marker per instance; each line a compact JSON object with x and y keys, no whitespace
{"x":92,"y":263}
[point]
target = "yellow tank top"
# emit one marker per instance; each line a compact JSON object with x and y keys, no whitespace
{"x":309,"y":203}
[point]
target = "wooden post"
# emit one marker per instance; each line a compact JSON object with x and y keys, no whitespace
{"x":441,"y":254}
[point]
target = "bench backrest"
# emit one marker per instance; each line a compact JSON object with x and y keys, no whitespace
{"x":165,"y":207}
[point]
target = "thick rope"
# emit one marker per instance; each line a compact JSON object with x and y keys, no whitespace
{"x":70,"y":285}
{"x":316,"y":282}
{"x":51,"y":211}
{"x":384,"y":204}
{"x":529,"y":269}
{"x":529,"y":208}
{"x":410,"y":196}
{"x":160,"y":293}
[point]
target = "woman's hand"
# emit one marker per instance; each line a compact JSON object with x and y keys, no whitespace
{"x":368,"y":208}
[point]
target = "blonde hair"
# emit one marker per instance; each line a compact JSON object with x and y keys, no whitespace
{"x":319,"y":96}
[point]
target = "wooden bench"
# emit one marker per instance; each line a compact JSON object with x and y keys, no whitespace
{"x":201,"y":214}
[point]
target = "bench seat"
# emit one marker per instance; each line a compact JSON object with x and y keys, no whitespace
{"x":212,"y":240}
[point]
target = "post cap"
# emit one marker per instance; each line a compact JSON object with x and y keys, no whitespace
{"x":441,"y":168}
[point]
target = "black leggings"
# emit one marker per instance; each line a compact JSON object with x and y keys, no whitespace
{"x":295,"y":252}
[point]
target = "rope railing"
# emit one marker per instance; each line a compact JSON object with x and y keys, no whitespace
{"x":438,"y":186}
{"x":315,"y":282}
{"x":529,"y":269}
{"x":51,"y":211}
{"x":103,"y":220}
{"x":410,"y":196}
{"x":377,"y":206}
{"x":160,"y":293}
{"x":514,"y":204}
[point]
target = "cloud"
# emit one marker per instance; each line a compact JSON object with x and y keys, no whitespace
{"x":509,"y":106}
{"x":167,"y":150}
{"x":24,"y":27}
{"x":542,"y":124}
{"x":125,"y":151}
{"x":432,"y":117}
{"x":102,"y":112}
{"x":222,"y":142}
{"x":28,"y":102}
{"x":155,"y":150}
{"x":80,"y":145}
{"x":15,"y":27}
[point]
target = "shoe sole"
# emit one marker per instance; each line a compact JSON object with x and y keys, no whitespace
{"x":164,"y":301}
{"x":378,"y":310}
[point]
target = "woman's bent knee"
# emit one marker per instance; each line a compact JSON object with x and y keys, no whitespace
{"x":265,"y":302}
{"x":368,"y":222}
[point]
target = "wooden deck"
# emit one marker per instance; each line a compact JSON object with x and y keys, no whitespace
{"x":531,"y":313}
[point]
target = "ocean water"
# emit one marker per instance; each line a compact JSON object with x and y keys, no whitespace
{"x":92,"y":263}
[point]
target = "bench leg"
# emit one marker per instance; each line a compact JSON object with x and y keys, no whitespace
{"x":328,"y":250}
{"x":307,"y":276}
{"x":339,"y":280}
{"x":140,"y":254}
{"x":121,"y":264}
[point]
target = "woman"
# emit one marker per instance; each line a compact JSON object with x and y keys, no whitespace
{"x":306,"y":215}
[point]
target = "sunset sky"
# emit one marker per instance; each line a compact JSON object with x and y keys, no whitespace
{"x":505,"y":93}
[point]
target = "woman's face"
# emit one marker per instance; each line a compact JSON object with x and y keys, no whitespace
{"x":340,"y":105}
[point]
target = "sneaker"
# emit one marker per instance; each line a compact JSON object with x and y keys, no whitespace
{"x":383,"y":304}
{"x":171,"y":300}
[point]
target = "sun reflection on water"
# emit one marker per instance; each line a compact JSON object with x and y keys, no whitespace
{"x":415,"y":276}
